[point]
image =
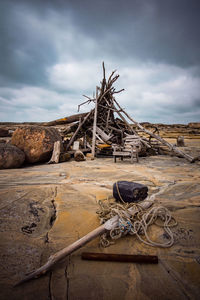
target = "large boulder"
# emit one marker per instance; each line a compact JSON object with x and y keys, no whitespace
{"x":37,"y":142}
{"x":10,"y":156}
{"x":4,"y":132}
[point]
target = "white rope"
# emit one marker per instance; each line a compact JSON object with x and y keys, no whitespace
{"x":135,"y":219}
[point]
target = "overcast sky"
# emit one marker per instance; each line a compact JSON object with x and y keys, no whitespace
{"x":51,"y":53}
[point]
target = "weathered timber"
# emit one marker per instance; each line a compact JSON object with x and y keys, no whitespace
{"x":144,"y":259}
{"x":53,"y":259}
{"x":103,"y":135}
{"x":56,"y":153}
{"x":65,"y":120}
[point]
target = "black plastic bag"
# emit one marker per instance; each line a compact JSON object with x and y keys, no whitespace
{"x":127,"y":191}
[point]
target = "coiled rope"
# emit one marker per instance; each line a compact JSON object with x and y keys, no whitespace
{"x":135,"y":219}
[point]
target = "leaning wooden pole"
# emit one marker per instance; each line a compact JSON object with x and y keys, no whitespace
{"x":95,"y":125}
{"x":53,"y":259}
{"x":157,"y":137}
{"x":107,"y":226}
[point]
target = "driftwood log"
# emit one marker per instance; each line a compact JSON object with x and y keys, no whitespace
{"x":53,"y":259}
{"x":65,"y":120}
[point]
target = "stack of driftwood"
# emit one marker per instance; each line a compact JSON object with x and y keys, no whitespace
{"x":107,"y":125}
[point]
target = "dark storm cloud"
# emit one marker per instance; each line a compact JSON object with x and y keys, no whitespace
{"x":53,"y":48}
{"x":24,"y":52}
{"x":159,"y":30}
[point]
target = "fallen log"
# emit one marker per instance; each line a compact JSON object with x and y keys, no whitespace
{"x":65,"y":120}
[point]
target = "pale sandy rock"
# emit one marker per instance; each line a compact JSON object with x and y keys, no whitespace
{"x":70,"y":192}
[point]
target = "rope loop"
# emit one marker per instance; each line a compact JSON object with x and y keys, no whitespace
{"x":135,"y":222}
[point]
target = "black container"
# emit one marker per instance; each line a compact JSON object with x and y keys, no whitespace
{"x":129,"y":191}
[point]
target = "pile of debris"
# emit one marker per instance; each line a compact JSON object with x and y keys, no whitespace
{"x":106,"y":125}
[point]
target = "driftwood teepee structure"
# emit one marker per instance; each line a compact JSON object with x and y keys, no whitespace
{"x":107,"y":123}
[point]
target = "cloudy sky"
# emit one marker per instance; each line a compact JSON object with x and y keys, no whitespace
{"x":51,"y":53}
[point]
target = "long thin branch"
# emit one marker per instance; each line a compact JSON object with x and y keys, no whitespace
{"x":157,"y":137}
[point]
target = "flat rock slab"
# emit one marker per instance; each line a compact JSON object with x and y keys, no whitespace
{"x":44,"y":208}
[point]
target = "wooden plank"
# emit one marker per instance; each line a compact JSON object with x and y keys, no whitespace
{"x":103,"y":135}
{"x":122,"y":153}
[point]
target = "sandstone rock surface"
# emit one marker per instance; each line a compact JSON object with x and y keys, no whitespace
{"x":47,"y":207}
{"x":10,"y":156}
{"x":36,"y":141}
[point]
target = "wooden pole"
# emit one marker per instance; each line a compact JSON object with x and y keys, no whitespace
{"x":95,"y":125}
{"x":53,"y":259}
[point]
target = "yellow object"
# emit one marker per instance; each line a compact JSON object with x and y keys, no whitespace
{"x":102,"y":146}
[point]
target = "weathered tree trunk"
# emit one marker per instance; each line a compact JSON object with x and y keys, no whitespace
{"x":56,"y":153}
